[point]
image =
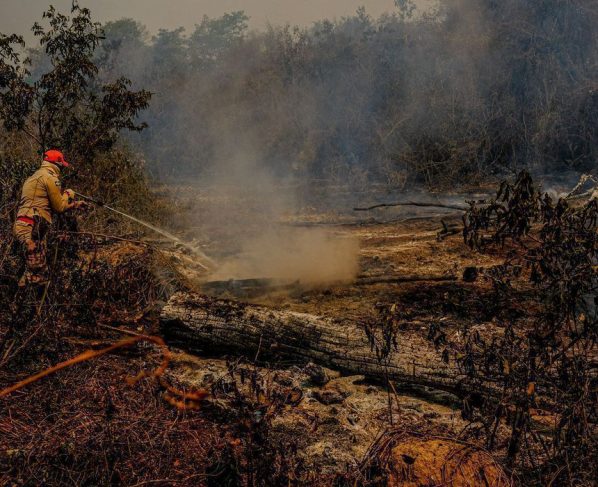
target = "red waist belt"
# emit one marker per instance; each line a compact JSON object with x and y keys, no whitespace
{"x":26,"y":219}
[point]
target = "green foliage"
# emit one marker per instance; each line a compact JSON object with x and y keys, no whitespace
{"x":169,"y":60}
{"x":121,"y":32}
{"x":212,"y":38}
{"x":64,"y":103}
{"x":66,"y":107}
{"x":406,"y":8}
{"x":123,"y":48}
{"x":17,"y":164}
{"x":15,"y":95}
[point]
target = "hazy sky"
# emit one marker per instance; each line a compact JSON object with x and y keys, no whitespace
{"x":17,"y":16}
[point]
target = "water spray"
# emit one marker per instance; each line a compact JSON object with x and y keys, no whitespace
{"x":164,"y":233}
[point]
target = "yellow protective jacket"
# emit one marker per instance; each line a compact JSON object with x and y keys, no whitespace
{"x":42,"y":194}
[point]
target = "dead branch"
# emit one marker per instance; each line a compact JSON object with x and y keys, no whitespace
{"x":127,"y":342}
{"x":412,"y":203}
{"x":366,"y":281}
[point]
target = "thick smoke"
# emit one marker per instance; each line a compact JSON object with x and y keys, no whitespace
{"x":247,"y":214}
{"x":470,"y":89}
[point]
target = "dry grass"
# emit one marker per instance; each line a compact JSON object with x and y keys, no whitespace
{"x":85,"y":426}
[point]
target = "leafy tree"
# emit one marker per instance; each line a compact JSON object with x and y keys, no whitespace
{"x":212,"y":38}
{"x":406,"y":8}
{"x":472,"y":88}
{"x":15,"y":95}
{"x":124,"y":50}
{"x":170,"y":62}
{"x":66,"y":107}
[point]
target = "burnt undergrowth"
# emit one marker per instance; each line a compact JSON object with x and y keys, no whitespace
{"x":529,"y":324}
{"x":90,"y":424}
{"x":86,"y":425}
{"x":544,"y":360}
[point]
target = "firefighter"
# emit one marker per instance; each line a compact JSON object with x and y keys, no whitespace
{"x":41,"y":198}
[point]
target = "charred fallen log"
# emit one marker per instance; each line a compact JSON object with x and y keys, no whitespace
{"x":245,"y":288}
{"x":204,"y":325}
{"x":412,"y":203}
{"x":369,"y":280}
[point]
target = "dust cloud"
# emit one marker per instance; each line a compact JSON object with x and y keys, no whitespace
{"x":246,"y":213}
{"x":311,"y":256}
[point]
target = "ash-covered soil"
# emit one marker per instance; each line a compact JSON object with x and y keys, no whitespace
{"x":294,"y":421}
{"x":338,"y":420}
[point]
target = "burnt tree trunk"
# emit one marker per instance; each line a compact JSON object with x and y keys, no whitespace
{"x":205,"y":325}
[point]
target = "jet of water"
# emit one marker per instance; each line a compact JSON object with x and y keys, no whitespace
{"x":160,"y":231}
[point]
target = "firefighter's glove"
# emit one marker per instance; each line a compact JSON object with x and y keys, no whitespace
{"x":82,"y":205}
{"x":70,"y":194}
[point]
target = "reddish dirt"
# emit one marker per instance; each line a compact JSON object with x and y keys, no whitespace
{"x":417,"y":462}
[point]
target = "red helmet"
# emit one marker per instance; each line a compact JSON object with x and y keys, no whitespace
{"x":55,"y":157}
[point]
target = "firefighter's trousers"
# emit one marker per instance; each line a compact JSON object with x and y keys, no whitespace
{"x":32,"y":233}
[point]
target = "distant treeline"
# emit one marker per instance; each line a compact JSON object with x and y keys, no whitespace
{"x":473,"y":88}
